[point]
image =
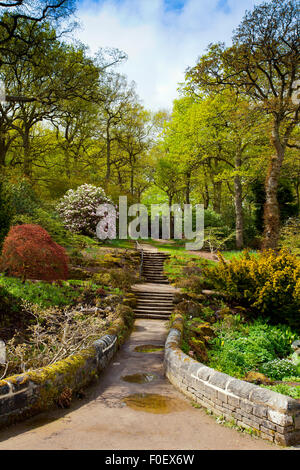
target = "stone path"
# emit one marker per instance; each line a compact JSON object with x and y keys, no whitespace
{"x":102,"y":420}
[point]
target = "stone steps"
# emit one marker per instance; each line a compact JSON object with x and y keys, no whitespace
{"x":152,"y":316}
{"x":155,"y":308}
{"x":158,"y":304}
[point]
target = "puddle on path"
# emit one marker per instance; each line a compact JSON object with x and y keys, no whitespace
{"x":154,"y":403}
{"x":138,"y":328}
{"x":147,"y":348}
{"x":139,"y":378}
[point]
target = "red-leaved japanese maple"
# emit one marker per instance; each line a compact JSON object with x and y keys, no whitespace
{"x":30,"y":253}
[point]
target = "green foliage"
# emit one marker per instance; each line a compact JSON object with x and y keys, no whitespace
{"x":6,"y":214}
{"x":122,"y":278}
{"x":50,"y":221}
{"x":8,"y":301}
{"x":23,"y":197}
{"x":216,"y":238}
{"x":45,"y":294}
{"x":269,"y":284}
{"x":290,"y":235}
{"x":293,"y":392}
{"x":41,"y":293}
{"x":286,"y":201}
{"x":238,"y":350}
{"x":278,"y":369}
{"x":212,"y":219}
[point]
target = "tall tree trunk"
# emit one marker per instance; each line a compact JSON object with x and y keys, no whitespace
{"x":238,"y":203}
{"x":108,"y":157}
{"x":131,"y":180}
{"x":205,"y":195}
{"x":3,"y":150}
{"x":271,"y":209}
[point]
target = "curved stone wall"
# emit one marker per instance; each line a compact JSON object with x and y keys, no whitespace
{"x":29,"y":393}
{"x":272,"y":416}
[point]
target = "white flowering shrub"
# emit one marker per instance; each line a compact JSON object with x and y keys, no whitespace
{"x":78,"y":209}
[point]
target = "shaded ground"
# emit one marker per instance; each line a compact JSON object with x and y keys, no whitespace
{"x":165,"y":420}
{"x":205,"y":255}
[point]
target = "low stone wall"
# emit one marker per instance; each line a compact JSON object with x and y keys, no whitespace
{"x":272,"y":416}
{"x":29,"y":393}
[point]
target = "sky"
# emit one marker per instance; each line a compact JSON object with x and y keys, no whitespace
{"x":161,"y":37}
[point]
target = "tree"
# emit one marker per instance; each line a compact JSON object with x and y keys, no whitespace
{"x":167,"y":175}
{"x":133,"y":138}
{"x":75,"y":124}
{"x":29,"y":252}
{"x":240,"y":139}
{"x":213,"y":140}
{"x":13,"y":13}
{"x":59,"y":73}
{"x":262,"y":63}
{"x":115,"y":96}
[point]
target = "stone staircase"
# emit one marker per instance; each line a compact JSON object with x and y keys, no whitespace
{"x":155,"y":297}
{"x":153,"y":265}
{"x":156,"y":305}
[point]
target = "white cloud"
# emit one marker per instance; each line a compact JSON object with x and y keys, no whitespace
{"x":160,"y":43}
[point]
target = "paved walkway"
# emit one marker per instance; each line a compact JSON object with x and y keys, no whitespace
{"x":103,"y":420}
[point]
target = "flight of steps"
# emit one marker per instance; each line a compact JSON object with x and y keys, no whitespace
{"x":155,"y":300}
{"x":153,"y":265}
{"x":155,"y":305}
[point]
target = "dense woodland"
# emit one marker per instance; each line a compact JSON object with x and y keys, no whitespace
{"x":230,"y":142}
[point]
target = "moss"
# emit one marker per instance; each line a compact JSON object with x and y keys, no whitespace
{"x":199,"y":347}
{"x":74,"y":371}
{"x":177,"y":322}
{"x":257,"y":378}
{"x":3,"y":383}
{"x":203,"y":330}
{"x":130,"y":300}
{"x":110,"y":259}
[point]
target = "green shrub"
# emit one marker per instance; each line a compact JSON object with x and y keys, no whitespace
{"x":212,"y":219}
{"x":40,"y":293}
{"x":290,"y":235}
{"x":218,"y":238}
{"x":6,"y":214}
{"x":23,"y":197}
{"x":293,"y":392}
{"x":246,"y":347}
{"x":50,"y":221}
{"x":8,"y":302}
{"x":278,"y":368}
{"x":122,"y":278}
{"x":269,"y":284}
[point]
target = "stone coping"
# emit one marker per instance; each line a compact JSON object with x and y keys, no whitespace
{"x":269,"y":414}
